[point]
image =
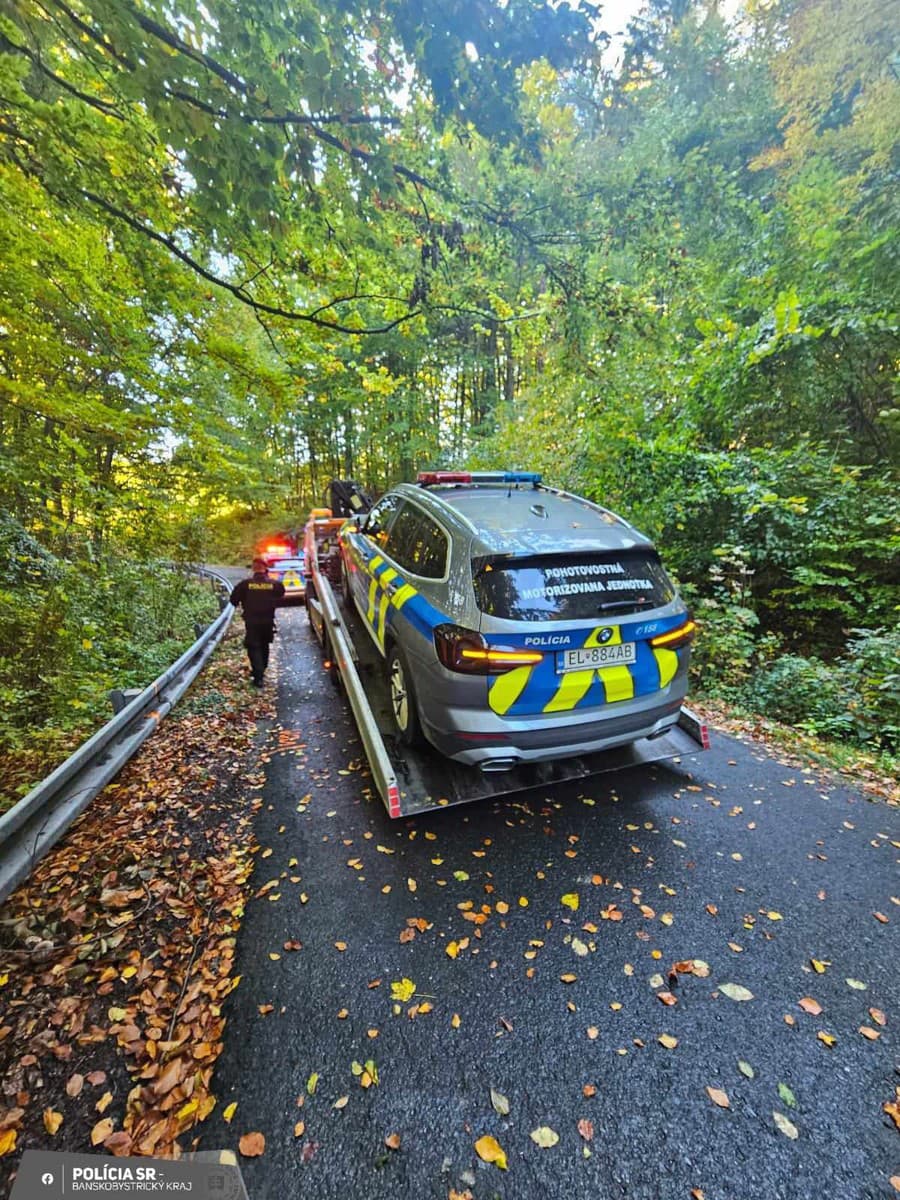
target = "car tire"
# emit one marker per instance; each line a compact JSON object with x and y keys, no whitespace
{"x":402,"y":695}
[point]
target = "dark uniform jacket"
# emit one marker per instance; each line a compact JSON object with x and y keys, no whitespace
{"x":259,"y":597}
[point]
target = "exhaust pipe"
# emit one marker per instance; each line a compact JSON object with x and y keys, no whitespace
{"x":498,"y":764}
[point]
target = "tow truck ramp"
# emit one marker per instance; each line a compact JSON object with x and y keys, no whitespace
{"x":412,"y":781}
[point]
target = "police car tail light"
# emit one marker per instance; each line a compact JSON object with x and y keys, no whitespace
{"x":465,"y":651}
{"x":676,"y":637}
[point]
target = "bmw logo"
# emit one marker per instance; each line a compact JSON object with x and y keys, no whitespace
{"x":604,"y":635}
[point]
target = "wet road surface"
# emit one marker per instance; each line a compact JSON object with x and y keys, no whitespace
{"x":752,"y":868}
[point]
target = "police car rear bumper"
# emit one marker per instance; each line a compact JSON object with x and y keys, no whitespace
{"x":501,"y":742}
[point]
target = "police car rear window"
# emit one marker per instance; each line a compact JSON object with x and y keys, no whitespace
{"x":571,"y":587}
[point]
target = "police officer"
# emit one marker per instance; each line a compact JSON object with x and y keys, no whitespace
{"x":259,"y":597}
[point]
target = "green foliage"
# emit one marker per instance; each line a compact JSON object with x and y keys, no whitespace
{"x":71,"y":630}
{"x":856,"y":698}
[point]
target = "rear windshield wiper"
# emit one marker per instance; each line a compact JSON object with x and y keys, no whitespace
{"x":612,"y":605}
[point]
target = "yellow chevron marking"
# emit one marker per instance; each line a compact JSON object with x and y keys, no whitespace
{"x":618,"y":683}
{"x":667,"y":661}
{"x":382,"y":616}
{"x":507,"y":688}
{"x":373,"y":592}
{"x":403,"y":594}
{"x":573,"y":687}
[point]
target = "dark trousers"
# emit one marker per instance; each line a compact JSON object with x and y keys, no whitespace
{"x":257,"y":639}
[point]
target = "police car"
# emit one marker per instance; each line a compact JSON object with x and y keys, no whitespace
{"x":292,"y":573}
{"x":517,"y":622}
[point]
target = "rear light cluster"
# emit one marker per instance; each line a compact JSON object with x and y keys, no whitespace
{"x":676,"y":637}
{"x":465,"y":651}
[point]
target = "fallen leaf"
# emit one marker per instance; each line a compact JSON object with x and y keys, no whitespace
{"x":878,"y":1016}
{"x":774,"y":916}
{"x":666,"y":1039}
{"x":52,"y":1121}
{"x":101,"y":1131}
{"x":787,"y":1095}
{"x":868,"y":1032}
{"x":229,"y":1111}
{"x":403,"y":990}
{"x":856,"y":984}
{"x":489,"y":1150}
{"x":892,"y":1108}
{"x":880,"y":917}
{"x":299,"y":1129}
{"x":252,"y":1145}
{"x":392,"y":1141}
{"x":667,"y":998}
{"x":568,"y":977}
{"x":74,"y":1086}
{"x":500,"y":1103}
{"x":570,"y":900}
{"x":455,"y":1021}
{"x":342,"y":946}
{"x":788,"y":1128}
{"x":828,"y":1038}
{"x":586,"y":1129}
{"x":735,"y":991}
{"x":588,"y":1090}
{"x":818,"y":966}
{"x":7,"y":1141}
{"x":593,"y":1032}
{"x":544,"y":1136}
{"x":341,"y":1102}
{"x":718,"y":1097}
{"x":746,"y":1069}
{"x":813,"y":1007}
{"x":579,"y":947}
{"x":312,"y":1083}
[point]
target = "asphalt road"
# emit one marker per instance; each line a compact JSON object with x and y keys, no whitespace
{"x":748,"y":865}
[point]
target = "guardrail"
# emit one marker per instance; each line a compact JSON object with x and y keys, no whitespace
{"x":32,"y":826}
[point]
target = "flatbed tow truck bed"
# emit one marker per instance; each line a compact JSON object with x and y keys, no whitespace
{"x":412,"y":781}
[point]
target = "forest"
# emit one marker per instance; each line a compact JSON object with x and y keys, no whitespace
{"x":246,"y":247}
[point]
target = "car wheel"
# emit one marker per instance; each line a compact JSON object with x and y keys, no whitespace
{"x":404,"y":707}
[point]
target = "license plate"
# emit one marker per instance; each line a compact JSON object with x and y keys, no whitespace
{"x":588,"y":658}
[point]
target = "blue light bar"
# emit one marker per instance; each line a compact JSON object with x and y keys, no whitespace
{"x":533,"y":477}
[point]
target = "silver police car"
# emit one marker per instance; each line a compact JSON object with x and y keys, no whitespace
{"x":517,"y":622}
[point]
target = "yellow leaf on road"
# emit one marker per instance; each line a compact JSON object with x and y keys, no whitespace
{"x":570,"y":900}
{"x":451,"y":949}
{"x":7,"y":1142}
{"x":666,"y":1039}
{"x":828,"y":1038}
{"x":52,"y":1121}
{"x":101,"y":1131}
{"x":402,"y":990}
{"x":489,"y":1150}
{"x":229,"y":1111}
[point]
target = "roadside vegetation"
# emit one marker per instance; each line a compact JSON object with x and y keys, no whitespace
{"x":71,"y":630}
{"x":245,"y":253}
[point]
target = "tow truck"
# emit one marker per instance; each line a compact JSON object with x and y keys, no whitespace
{"x":411,"y":780}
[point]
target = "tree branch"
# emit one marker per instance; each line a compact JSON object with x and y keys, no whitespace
{"x":236,"y":290}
